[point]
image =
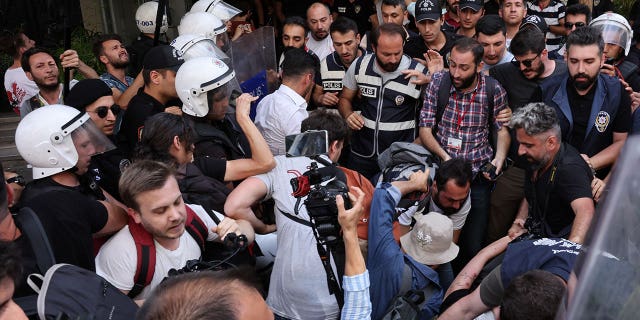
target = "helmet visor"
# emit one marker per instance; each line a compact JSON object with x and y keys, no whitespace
{"x":223,"y":10}
{"x":614,"y":34}
{"x":90,"y":141}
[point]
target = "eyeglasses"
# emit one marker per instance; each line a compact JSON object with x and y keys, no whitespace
{"x":103,"y":111}
{"x":569,"y":25}
{"x":527,"y":63}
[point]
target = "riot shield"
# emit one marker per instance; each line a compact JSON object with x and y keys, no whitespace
{"x":605,"y":283}
{"x":254,"y":61}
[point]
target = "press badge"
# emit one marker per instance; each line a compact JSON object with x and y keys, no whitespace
{"x":454,"y":143}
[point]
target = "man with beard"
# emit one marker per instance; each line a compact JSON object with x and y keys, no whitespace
{"x":451,"y":20}
{"x":41,"y":68}
{"x":593,"y":109}
{"x":295,"y":35}
{"x":110,"y":51}
{"x":390,"y":85}
{"x":558,"y":200}
{"x":512,"y":13}
{"x":469,"y":11}
{"x":346,"y":40}
{"x":461,"y":128}
{"x":279,"y":114}
{"x":520,"y":79}
{"x":492,"y":35}
{"x":319,"y":19}
{"x":150,"y":192}
{"x":432,"y":37}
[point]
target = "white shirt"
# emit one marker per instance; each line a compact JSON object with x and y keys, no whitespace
{"x":278,"y":115}
{"x":321,"y":48}
{"x":457,"y":218}
{"x":117,"y":259}
{"x":507,"y":57}
{"x":18,"y":87}
{"x":298,"y":287}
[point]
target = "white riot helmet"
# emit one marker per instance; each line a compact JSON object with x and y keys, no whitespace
{"x":219,"y":8}
{"x":195,"y":46}
{"x":203,"y":24}
{"x":49,"y":138}
{"x":615,"y":30}
{"x":146,"y":18}
{"x":198,"y":76}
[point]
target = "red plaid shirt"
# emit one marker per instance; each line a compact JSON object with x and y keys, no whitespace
{"x":464,"y":119}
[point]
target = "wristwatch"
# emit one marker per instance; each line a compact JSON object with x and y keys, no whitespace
{"x":19,"y":180}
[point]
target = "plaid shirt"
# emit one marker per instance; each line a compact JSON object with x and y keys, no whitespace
{"x":472,"y":115}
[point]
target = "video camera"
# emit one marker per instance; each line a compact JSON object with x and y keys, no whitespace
{"x":321,"y":199}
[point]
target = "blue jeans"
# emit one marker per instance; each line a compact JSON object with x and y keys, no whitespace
{"x":475,"y":227}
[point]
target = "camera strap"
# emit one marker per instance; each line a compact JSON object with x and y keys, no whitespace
{"x":551,"y":183}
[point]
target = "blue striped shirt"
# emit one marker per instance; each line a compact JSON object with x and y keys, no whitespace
{"x":357,"y":302}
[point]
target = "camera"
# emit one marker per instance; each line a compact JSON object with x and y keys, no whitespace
{"x":534,"y":230}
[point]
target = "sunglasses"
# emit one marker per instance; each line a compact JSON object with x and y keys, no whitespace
{"x":569,"y":25}
{"x":527,"y":63}
{"x":103,"y":111}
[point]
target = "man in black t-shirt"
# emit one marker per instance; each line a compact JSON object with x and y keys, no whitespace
{"x":159,"y":72}
{"x":558,"y":199}
{"x":429,"y":22}
{"x":520,"y":79}
{"x":59,"y":141}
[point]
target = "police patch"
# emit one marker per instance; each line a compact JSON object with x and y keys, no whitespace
{"x":367,"y":91}
{"x":332,"y":85}
{"x":602,"y":121}
{"x":357,"y":9}
{"x":399,"y":100}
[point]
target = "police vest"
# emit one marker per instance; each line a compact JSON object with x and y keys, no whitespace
{"x":389,"y":109}
{"x":332,"y":72}
{"x":604,"y":110}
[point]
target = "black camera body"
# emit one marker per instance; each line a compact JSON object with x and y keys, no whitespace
{"x":321,"y":200}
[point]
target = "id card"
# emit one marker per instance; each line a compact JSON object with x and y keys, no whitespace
{"x":454,"y":143}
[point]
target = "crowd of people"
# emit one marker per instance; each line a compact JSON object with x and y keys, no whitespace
{"x":468,"y":145}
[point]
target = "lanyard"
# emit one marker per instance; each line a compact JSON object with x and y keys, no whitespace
{"x":462,"y":114}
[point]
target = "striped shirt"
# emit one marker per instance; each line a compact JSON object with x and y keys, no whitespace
{"x":551,"y":15}
{"x":357,"y":302}
{"x":464,"y":118}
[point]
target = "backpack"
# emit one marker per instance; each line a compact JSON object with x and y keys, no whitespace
{"x":443,"y":100}
{"x":408,"y":303}
{"x":71,"y":292}
{"x":145,"y":247}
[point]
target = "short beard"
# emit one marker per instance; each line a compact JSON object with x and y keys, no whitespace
{"x":120,"y":64}
{"x":540,"y":164}
{"x":466,"y":83}
{"x":48,"y":87}
{"x":582,"y":85}
{"x":388,"y":67}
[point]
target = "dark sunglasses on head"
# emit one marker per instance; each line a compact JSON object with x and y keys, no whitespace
{"x":569,"y":25}
{"x":527,"y":63}
{"x":103,"y":111}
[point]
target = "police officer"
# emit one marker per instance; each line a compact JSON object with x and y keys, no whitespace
{"x":390,"y":84}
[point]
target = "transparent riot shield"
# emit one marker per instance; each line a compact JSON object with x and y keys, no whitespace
{"x":254,"y":61}
{"x":605,"y":283}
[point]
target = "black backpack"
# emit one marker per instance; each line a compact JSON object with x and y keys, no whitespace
{"x":408,"y":303}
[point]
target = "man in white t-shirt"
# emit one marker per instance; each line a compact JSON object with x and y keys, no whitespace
{"x":150,"y":191}
{"x":319,"y":19}
{"x":16,"y":83}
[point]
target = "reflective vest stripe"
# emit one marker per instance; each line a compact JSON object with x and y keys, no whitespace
{"x":389,"y":126}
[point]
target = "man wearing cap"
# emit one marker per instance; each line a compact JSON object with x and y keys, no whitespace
{"x":94,"y":97}
{"x":429,"y":22}
{"x":159,"y":72}
{"x":512,"y":13}
{"x":520,"y":80}
{"x":492,"y":35}
{"x":552,"y":11}
{"x":428,"y":245}
{"x":390,"y":84}
{"x":469,"y":11}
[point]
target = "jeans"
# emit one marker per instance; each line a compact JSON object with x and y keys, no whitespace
{"x":475,"y":227}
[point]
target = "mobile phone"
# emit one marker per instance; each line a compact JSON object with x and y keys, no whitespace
{"x":489,"y":169}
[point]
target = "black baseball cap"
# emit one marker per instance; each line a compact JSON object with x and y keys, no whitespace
{"x":535,"y":21}
{"x":428,"y":9}
{"x":163,"y":57}
{"x":475,"y":5}
{"x":87,"y":92}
